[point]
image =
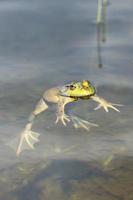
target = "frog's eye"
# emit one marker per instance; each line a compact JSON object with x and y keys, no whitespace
{"x":72,"y":87}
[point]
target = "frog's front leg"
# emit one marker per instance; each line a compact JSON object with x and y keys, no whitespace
{"x":28,"y":138}
{"x":105,"y":104}
{"x":60,"y":114}
{"x":77,"y":121}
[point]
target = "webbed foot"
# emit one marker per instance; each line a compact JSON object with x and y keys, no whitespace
{"x":80,"y":123}
{"x":27,"y":139}
{"x":62,"y":118}
{"x":105,"y":104}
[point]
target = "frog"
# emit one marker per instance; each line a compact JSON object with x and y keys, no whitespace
{"x":61,"y":96}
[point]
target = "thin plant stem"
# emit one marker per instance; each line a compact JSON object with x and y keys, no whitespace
{"x":99,"y":57}
{"x":99,"y":12}
{"x":104,"y":12}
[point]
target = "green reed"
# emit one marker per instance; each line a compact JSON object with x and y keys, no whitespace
{"x":101,"y":27}
{"x":101,"y":11}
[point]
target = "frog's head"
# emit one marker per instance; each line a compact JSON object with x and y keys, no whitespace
{"x":78,"y":89}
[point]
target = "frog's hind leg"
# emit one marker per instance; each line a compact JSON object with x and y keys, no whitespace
{"x":28,"y":138}
{"x":80,"y":123}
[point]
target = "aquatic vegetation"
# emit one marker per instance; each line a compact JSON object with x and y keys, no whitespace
{"x":101,"y":27}
{"x":99,"y":18}
{"x":101,"y":11}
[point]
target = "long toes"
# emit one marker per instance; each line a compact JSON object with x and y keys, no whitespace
{"x":92,"y":124}
{"x":34,"y":136}
{"x":116,"y":104}
{"x":106,"y":108}
{"x":98,"y":107}
{"x":114,"y":108}
{"x":67,"y":119}
{"x":29,"y":142}
{"x":57,"y":120}
{"x":84,"y":126}
{"x":63,"y":121}
{"x":89,"y":123}
{"x":88,"y":126}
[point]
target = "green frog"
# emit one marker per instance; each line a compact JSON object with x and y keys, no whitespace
{"x":62,"y":96}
